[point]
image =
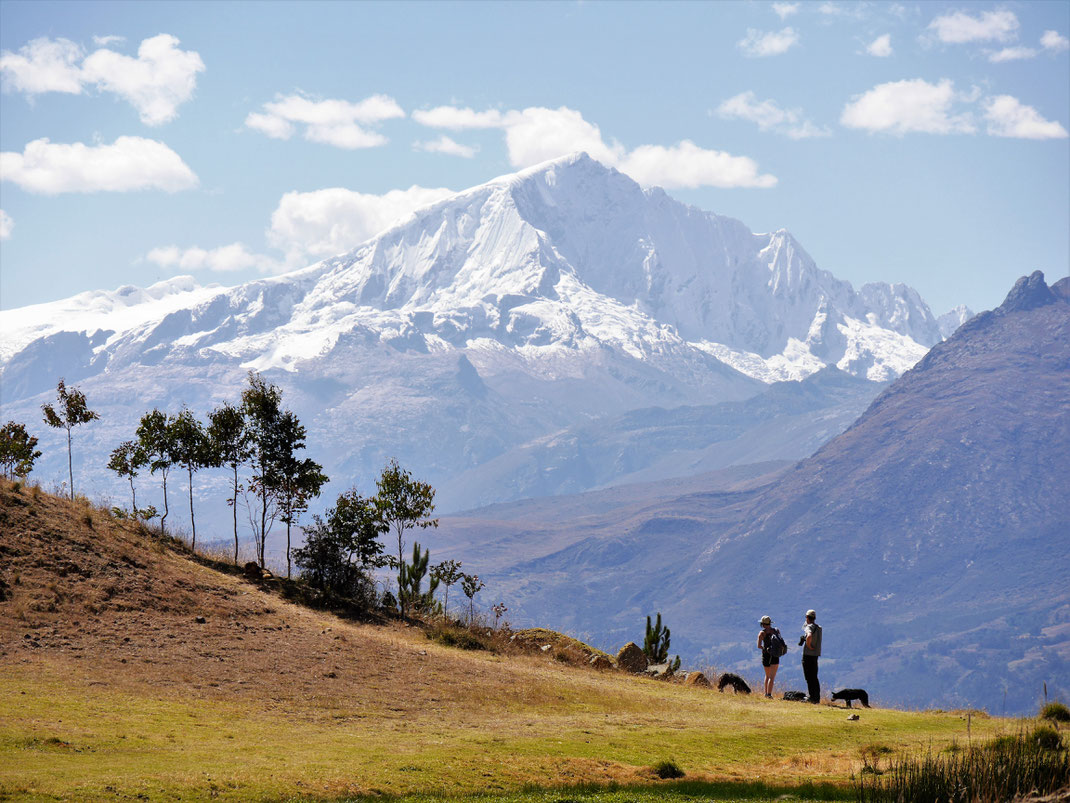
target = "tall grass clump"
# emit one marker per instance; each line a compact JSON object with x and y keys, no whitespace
{"x":1030,"y":763}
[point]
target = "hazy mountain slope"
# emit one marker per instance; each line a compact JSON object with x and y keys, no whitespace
{"x":506,"y":313}
{"x":931,"y":536}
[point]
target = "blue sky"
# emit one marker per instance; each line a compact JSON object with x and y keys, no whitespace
{"x":919,"y":143}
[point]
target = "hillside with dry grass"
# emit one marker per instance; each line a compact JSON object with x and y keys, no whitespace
{"x":130,"y":667}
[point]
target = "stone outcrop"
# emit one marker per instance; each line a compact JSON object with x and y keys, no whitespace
{"x":631,"y":658}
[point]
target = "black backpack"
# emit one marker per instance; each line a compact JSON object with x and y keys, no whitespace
{"x":775,"y":644}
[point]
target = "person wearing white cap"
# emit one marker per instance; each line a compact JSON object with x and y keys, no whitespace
{"x":770,"y":652}
{"x":810,"y":641}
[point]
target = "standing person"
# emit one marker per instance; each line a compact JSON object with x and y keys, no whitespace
{"x":770,"y":656}
{"x":810,"y":641}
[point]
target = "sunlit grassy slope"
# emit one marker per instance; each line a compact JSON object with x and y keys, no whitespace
{"x":109,"y":687}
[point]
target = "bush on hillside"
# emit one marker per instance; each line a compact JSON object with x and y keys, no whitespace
{"x":1055,"y":712}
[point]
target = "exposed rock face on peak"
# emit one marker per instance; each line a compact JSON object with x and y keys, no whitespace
{"x":931,"y":536}
{"x":505,"y":313}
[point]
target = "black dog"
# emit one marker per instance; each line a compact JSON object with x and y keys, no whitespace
{"x":852,"y":694}
{"x":738,"y":684}
{"x":795,"y":696}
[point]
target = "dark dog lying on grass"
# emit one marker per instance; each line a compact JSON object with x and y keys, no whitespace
{"x":738,"y":684}
{"x":847,"y":695}
{"x":795,"y":696}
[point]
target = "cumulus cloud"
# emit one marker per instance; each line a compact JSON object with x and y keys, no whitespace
{"x":156,"y":83}
{"x":538,"y":134}
{"x":331,"y":122}
{"x":958,"y":27}
{"x":448,"y":146}
{"x":312,"y":225}
{"x":768,"y":116}
{"x":104,"y":41}
{"x":688,"y":165}
{"x":41,"y":66}
{"x":226,"y":258}
{"x":881,"y":47}
{"x":1054,"y":41}
{"x":7,"y":225}
{"x":1009,"y":117}
{"x":130,"y":163}
{"x":1011,"y":54}
{"x":903,"y":107}
{"x":768,"y":43}
{"x":785,"y":10}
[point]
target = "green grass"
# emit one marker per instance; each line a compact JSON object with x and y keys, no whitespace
{"x":68,"y":739}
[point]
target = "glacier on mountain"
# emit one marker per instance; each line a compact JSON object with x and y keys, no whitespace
{"x":500,"y":314}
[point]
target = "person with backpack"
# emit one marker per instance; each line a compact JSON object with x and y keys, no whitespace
{"x":772,"y":645}
{"x":810,"y":641}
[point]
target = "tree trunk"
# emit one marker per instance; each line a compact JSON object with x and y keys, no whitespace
{"x":192,"y":520}
{"x":70,"y":463}
{"x":234,"y":504}
{"x":288,"y":547}
{"x":262,"y":546}
{"x":166,"y":510}
{"x":133,"y":498}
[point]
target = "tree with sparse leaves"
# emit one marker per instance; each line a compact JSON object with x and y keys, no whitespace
{"x":404,"y":503}
{"x":293,"y":480}
{"x":229,"y":444}
{"x":191,"y":451}
{"x":471,"y":585}
{"x":156,"y":437}
{"x":126,"y":460}
{"x":70,"y":411}
{"x":262,"y":407}
{"x":448,"y":572}
{"x":17,"y":453}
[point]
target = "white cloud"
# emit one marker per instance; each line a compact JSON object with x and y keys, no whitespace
{"x":42,"y":66}
{"x":104,"y":41}
{"x":768,"y":43}
{"x":1008,"y":117}
{"x":312,"y":225}
{"x":448,"y":146}
{"x":538,"y":134}
{"x":7,"y":225}
{"x":688,"y":165}
{"x":881,"y":47}
{"x":156,"y":83}
{"x":959,"y":27}
{"x":130,"y":163}
{"x":456,"y":119}
{"x":231,"y":257}
{"x":768,"y":116}
{"x":332,"y":122}
{"x":902,"y":107}
{"x":1053,"y":40}
{"x":785,"y":10}
{"x":1011,"y":54}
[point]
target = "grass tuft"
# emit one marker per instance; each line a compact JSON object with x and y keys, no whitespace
{"x":668,"y":770}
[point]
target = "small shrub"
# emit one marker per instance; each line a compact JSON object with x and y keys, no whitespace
{"x":17,"y":487}
{"x":461,"y":638}
{"x":87,"y":519}
{"x":871,"y":757}
{"x":1055,"y":712}
{"x":667,"y":770}
{"x":1047,"y":738}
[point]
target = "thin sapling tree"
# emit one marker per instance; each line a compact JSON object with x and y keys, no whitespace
{"x":294,"y":480}
{"x":127,"y":459}
{"x":229,"y":443}
{"x":191,"y":452}
{"x":404,"y":503}
{"x":156,"y":437}
{"x":262,"y":407}
{"x":70,"y":411}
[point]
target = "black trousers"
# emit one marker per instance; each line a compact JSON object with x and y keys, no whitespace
{"x":813,"y":687}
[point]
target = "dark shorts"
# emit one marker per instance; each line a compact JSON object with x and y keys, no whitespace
{"x":768,"y":659}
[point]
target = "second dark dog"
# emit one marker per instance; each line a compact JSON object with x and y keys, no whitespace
{"x":795,"y":696}
{"x":847,"y":695}
{"x":738,"y":684}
